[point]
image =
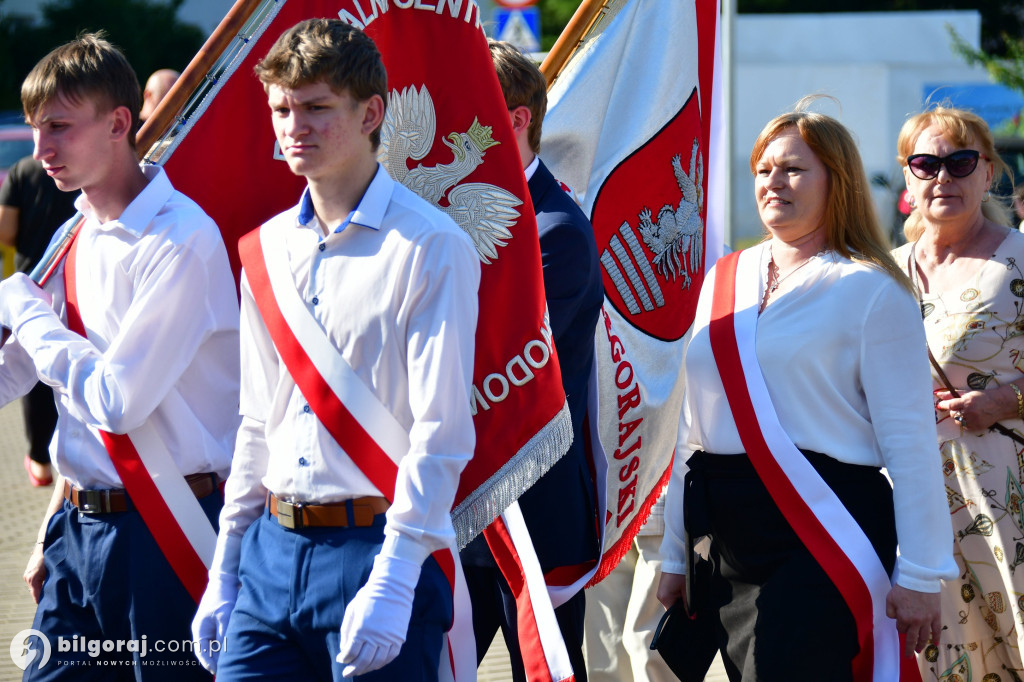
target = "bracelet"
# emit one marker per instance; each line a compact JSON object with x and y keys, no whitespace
{"x":1020,"y":400}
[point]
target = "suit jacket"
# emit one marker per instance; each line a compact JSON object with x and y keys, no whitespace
{"x":560,"y":509}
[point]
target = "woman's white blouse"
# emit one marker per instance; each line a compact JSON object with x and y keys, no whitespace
{"x":842,"y":350}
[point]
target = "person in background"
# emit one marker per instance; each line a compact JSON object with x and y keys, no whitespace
{"x":1018,"y":205}
{"x":817,"y":331}
{"x":31,"y":210}
{"x":157,"y":85}
{"x":623,"y":612}
{"x":335,"y":576}
{"x":965,"y":260}
{"x":560,"y":508}
{"x":137,"y":333}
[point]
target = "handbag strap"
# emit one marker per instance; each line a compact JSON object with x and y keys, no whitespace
{"x":912,"y":272}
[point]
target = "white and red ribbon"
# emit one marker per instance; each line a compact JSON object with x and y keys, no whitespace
{"x":545,"y":658}
{"x":156,"y":487}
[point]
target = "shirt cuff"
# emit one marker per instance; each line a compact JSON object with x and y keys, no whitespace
{"x":404,"y":548}
{"x":921,"y":579}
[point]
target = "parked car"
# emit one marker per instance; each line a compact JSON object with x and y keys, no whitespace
{"x":15,"y":142}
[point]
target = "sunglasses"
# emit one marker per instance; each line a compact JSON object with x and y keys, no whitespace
{"x":958,"y":164}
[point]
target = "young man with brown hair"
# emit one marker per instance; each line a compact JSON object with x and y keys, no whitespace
{"x":359,"y":310}
{"x":146,"y":373}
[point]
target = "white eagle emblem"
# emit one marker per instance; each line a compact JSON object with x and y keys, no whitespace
{"x":484,"y":211}
{"x":678,"y":231}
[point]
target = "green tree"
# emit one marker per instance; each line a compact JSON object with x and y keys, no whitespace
{"x":1007,"y":70}
{"x":554,"y":15}
{"x":148,"y":32}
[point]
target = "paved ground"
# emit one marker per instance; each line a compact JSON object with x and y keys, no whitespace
{"x":24,"y":508}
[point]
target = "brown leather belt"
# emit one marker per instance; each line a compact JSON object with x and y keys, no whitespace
{"x":358,"y":512}
{"x":116,"y":499}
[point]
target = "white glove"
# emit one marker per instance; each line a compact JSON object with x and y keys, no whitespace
{"x":211,"y":621}
{"x":376,"y":621}
{"x":21,"y":299}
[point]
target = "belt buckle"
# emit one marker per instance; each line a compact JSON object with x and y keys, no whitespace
{"x":93,"y":501}
{"x":289,"y":515}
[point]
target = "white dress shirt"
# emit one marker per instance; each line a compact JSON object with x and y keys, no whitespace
{"x":842,"y":351}
{"x":159,"y":305}
{"x":395,"y":289}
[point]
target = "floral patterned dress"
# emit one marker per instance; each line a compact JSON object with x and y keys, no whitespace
{"x":976,"y":333}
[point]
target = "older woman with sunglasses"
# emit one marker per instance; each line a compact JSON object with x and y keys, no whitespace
{"x":966,"y":264}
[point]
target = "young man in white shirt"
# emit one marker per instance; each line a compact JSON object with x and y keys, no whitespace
{"x":362,"y":289}
{"x":145,"y":371}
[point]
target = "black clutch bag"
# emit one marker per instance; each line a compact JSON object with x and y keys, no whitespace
{"x":685,"y":640}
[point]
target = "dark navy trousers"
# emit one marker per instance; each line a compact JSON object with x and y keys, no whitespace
{"x":108,"y":586}
{"x":295,"y":586}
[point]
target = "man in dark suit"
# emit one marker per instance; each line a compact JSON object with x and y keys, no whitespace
{"x":560,"y":509}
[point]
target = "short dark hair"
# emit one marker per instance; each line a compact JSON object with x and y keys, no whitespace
{"x":330,"y":51}
{"x":523,"y":85}
{"x":87,"y":67}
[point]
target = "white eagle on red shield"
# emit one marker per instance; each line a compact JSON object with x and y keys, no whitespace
{"x":484,"y":211}
{"x":653,"y":267}
{"x":677,"y":238}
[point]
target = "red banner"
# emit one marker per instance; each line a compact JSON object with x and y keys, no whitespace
{"x":443,"y":88}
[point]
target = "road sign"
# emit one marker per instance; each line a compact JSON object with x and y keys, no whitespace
{"x":521,"y":27}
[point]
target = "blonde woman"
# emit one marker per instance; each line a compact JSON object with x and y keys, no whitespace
{"x":966,"y":263}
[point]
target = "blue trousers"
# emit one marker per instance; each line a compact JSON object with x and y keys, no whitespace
{"x":108,"y":581}
{"x":295,"y":586}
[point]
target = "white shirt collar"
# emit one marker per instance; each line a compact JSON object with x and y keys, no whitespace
{"x":532,"y":168}
{"x":137,"y":216}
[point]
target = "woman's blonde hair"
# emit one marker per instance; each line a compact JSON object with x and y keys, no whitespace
{"x":851,"y":223}
{"x":965,"y":130}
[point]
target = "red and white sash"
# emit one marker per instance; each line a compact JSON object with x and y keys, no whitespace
{"x":545,"y":658}
{"x":365,"y":429}
{"x":817,"y":516}
{"x":156,"y":487}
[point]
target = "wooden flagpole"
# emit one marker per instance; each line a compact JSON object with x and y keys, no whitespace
{"x":193,"y":75}
{"x":583,"y":20}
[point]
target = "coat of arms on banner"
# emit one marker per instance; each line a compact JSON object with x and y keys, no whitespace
{"x":651,"y":233}
{"x":484,"y":211}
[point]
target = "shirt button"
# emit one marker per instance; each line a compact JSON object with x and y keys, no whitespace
{"x":302,"y":461}
{"x":315,"y":300}
{"x":306,"y":409}
{"x":323,"y":246}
